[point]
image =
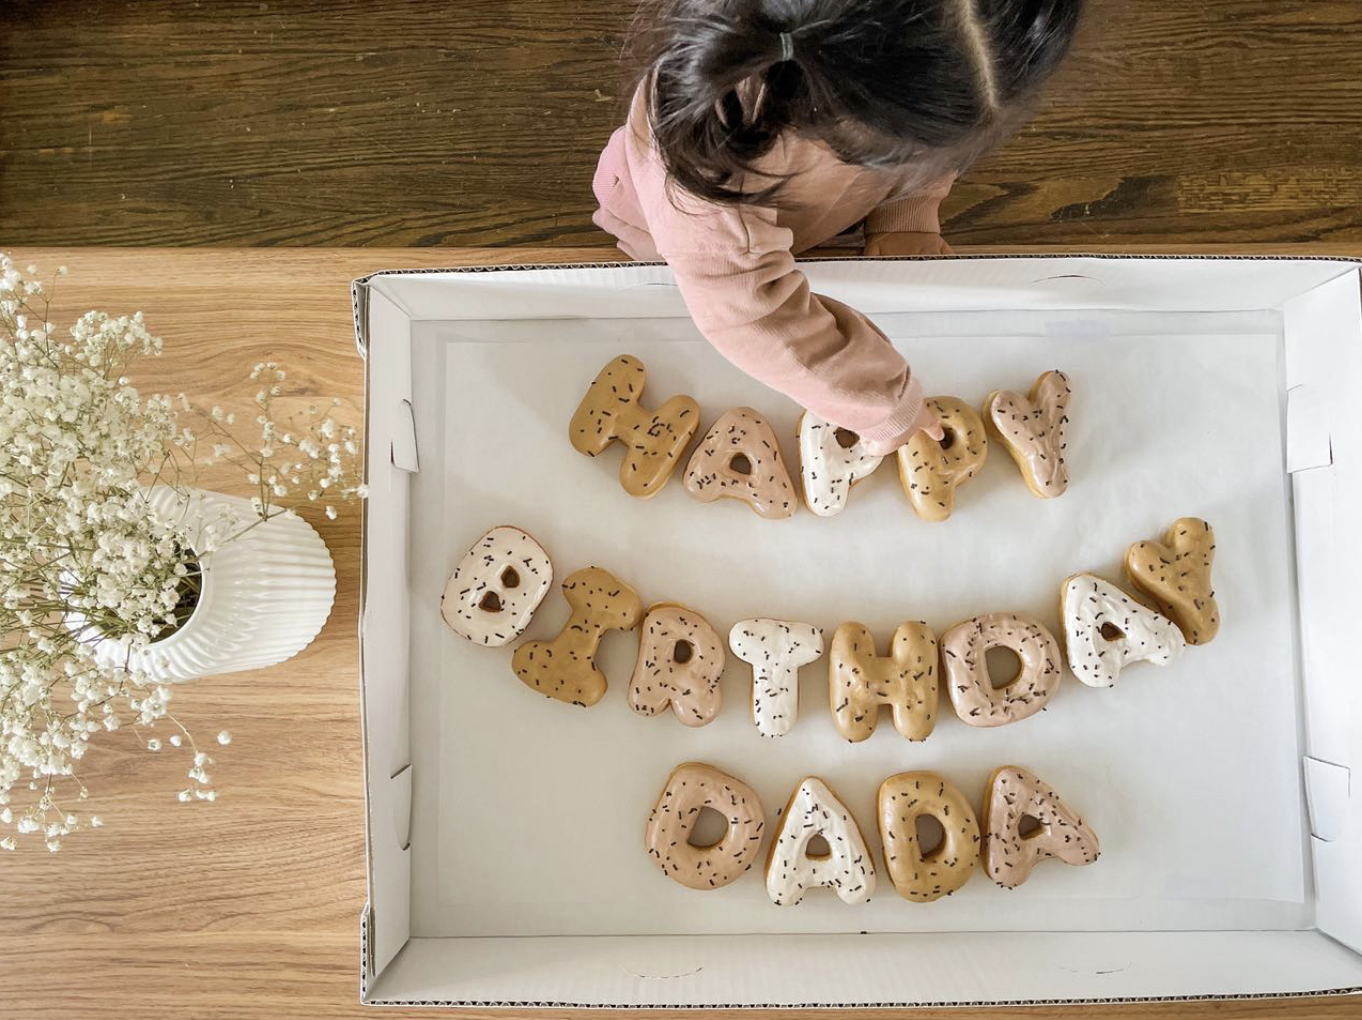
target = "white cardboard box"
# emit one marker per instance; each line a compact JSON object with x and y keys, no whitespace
{"x":505,"y":831}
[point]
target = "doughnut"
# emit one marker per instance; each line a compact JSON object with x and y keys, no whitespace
{"x":1105,"y":629}
{"x":847,"y":868}
{"x":739,"y":458}
{"x":689,"y":788}
{"x":976,"y":700}
{"x":831,"y":461}
{"x":1031,"y":429}
{"x":1054,"y":829}
{"x":1176,"y":574}
{"x":565,"y":667}
{"x":680,"y":663}
{"x":931,"y":471}
{"x":653,"y":441}
{"x":860,"y":681}
{"x":496,"y":587}
{"x":775,"y":649}
{"x":925,"y":877}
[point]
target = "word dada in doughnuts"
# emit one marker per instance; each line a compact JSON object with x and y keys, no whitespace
{"x":1106,"y":630}
{"x":925,"y":874}
{"x":964,"y":651}
{"x":931,"y":470}
{"x":1026,"y":822}
{"x":831,"y":462}
{"x":564,"y":668}
{"x":775,"y":649}
{"x":1031,"y":429}
{"x":739,"y":458}
{"x":1176,"y":574}
{"x":792,"y":869}
{"x":690,"y":788}
{"x":653,"y":441}
{"x":860,"y":682}
{"x":680,"y":663}
{"x":496,"y":587}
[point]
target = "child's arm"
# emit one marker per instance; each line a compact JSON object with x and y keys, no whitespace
{"x":910,"y":224}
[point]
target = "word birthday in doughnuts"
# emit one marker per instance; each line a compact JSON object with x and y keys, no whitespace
{"x":931,"y":470}
{"x":739,"y":458}
{"x":831,"y":462}
{"x":775,"y":649}
{"x":565,"y":668}
{"x":690,"y":788}
{"x":1031,"y":429}
{"x":653,"y":441}
{"x":680,"y":663}
{"x":924,"y":875}
{"x":847,"y":868}
{"x":1015,"y":797}
{"x":496,"y":587}
{"x":977,"y":701}
{"x":1105,"y":630}
{"x":861,"y":682}
{"x":1176,"y":574}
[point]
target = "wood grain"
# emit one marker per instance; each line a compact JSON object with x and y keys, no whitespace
{"x":418,"y":122}
{"x":249,"y":908}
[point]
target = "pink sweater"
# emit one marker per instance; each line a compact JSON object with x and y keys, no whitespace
{"x":736,"y":271}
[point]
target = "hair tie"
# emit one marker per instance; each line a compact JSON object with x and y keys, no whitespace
{"x":786,"y":46}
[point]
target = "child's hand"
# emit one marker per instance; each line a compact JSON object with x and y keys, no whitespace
{"x":907,"y":242}
{"x":924,"y":422}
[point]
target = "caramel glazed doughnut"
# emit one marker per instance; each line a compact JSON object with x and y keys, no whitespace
{"x":921,"y":877}
{"x":1176,"y":574}
{"x":689,"y":788}
{"x":976,"y":700}
{"x":931,"y":471}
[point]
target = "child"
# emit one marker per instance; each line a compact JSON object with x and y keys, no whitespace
{"x":761,"y":128}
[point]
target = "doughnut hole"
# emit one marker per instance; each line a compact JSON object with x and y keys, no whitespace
{"x":683,"y":652}
{"x":709,"y":829}
{"x":1111,"y":632}
{"x":740,"y":465}
{"x":1029,"y":827}
{"x":947,"y":438}
{"x":846,"y":439}
{"x":818,"y":849}
{"x":490,"y":602}
{"x":1003,"y":665}
{"x":931,"y":837}
{"x":509,"y":578}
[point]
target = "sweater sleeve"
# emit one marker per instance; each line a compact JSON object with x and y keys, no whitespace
{"x":917,"y":211}
{"x":753,"y":304}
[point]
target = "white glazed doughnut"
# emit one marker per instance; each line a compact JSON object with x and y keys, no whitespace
{"x":1105,"y":629}
{"x":680,"y":663}
{"x":976,"y":700}
{"x":831,"y":461}
{"x":689,"y":788}
{"x":496,"y":587}
{"x":847,"y":868}
{"x":775,"y":649}
{"x":1014,"y":794}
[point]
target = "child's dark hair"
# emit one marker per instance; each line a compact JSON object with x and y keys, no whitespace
{"x":934,"y":83}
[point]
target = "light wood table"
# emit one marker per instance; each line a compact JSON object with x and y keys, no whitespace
{"x":250,"y":907}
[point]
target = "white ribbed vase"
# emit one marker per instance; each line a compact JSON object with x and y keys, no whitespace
{"x":264,"y":596}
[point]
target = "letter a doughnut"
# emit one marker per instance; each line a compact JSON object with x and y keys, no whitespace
{"x":931,"y":471}
{"x":496,"y":587}
{"x":921,"y":877}
{"x":1013,"y":795}
{"x":739,"y":458}
{"x":976,"y":700}
{"x":653,"y":441}
{"x":847,"y":868}
{"x":565,"y":668}
{"x":776,"y":649}
{"x":831,"y":462}
{"x":861,"y":682}
{"x":1105,"y":629}
{"x":690,"y":787}
{"x":680,"y":663}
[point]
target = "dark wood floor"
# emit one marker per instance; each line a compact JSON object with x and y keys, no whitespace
{"x":473,"y":122}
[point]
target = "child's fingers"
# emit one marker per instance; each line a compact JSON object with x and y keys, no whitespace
{"x":927,"y":422}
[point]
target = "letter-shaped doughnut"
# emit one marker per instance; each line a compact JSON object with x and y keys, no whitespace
{"x":976,"y":700}
{"x":847,"y":868}
{"x":776,"y":649}
{"x":565,"y":668}
{"x":653,"y":440}
{"x":680,"y":663}
{"x":831,"y":461}
{"x":739,"y":458}
{"x":1031,"y":429}
{"x":1176,"y":574}
{"x":496,"y":587}
{"x":1105,"y":629}
{"x":925,"y":877}
{"x":931,"y":471}
{"x":1014,"y":795}
{"x":860,"y":682}
{"x":690,"y":787}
